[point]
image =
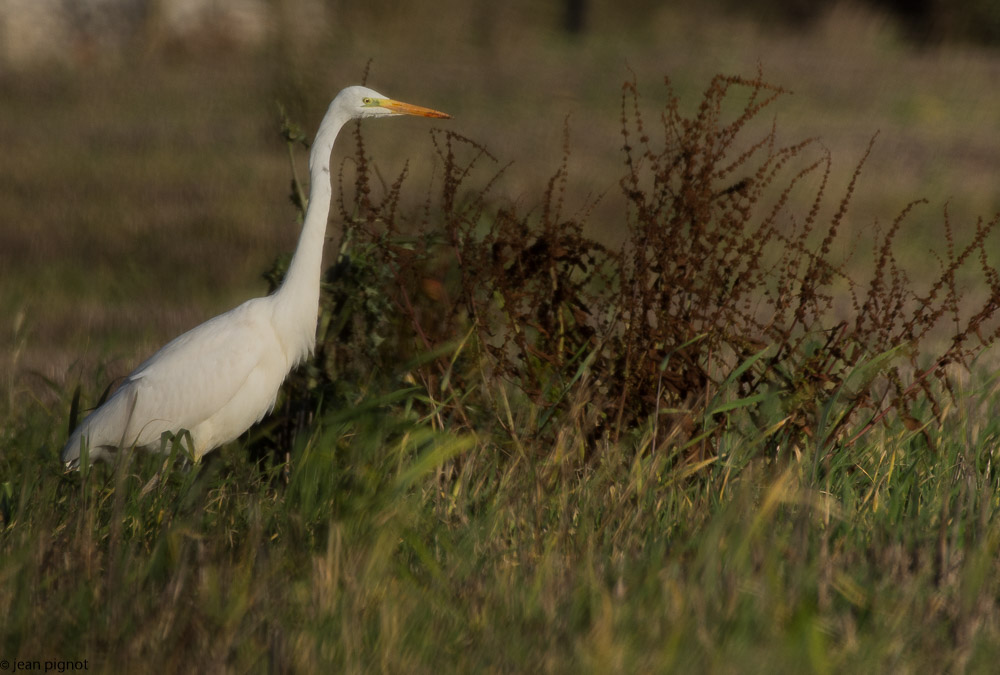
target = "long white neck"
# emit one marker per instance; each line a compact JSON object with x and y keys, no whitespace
{"x":296,"y":302}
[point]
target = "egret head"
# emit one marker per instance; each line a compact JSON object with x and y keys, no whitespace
{"x":359,"y":102}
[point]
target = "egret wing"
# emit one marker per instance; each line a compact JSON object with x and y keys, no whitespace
{"x":191,"y":379}
{"x":197,"y":374}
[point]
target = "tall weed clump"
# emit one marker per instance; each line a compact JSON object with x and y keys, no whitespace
{"x":717,"y":269}
{"x":719,"y":295}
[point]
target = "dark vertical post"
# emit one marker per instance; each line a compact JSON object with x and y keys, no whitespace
{"x":574,"y":17}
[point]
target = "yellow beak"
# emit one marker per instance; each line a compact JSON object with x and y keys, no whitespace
{"x":410,"y":109}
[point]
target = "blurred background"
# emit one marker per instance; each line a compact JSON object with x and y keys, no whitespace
{"x":144,"y":183}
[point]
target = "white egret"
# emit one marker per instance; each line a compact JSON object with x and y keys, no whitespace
{"x":218,"y":379}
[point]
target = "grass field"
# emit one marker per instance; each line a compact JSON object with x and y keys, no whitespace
{"x":379,"y":553}
{"x":515,"y":491}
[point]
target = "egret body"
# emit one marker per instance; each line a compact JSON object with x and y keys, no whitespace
{"x":218,"y":379}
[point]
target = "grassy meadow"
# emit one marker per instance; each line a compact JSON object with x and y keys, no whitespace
{"x":621,"y":377}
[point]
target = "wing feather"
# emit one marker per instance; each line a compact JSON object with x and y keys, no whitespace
{"x":190,"y":379}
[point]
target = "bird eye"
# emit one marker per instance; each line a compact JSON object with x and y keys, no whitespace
{"x":366,"y":100}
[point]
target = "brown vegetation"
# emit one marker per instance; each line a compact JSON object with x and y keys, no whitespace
{"x":717,"y":283}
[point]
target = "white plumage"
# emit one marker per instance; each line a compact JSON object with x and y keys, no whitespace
{"x":218,"y":379}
